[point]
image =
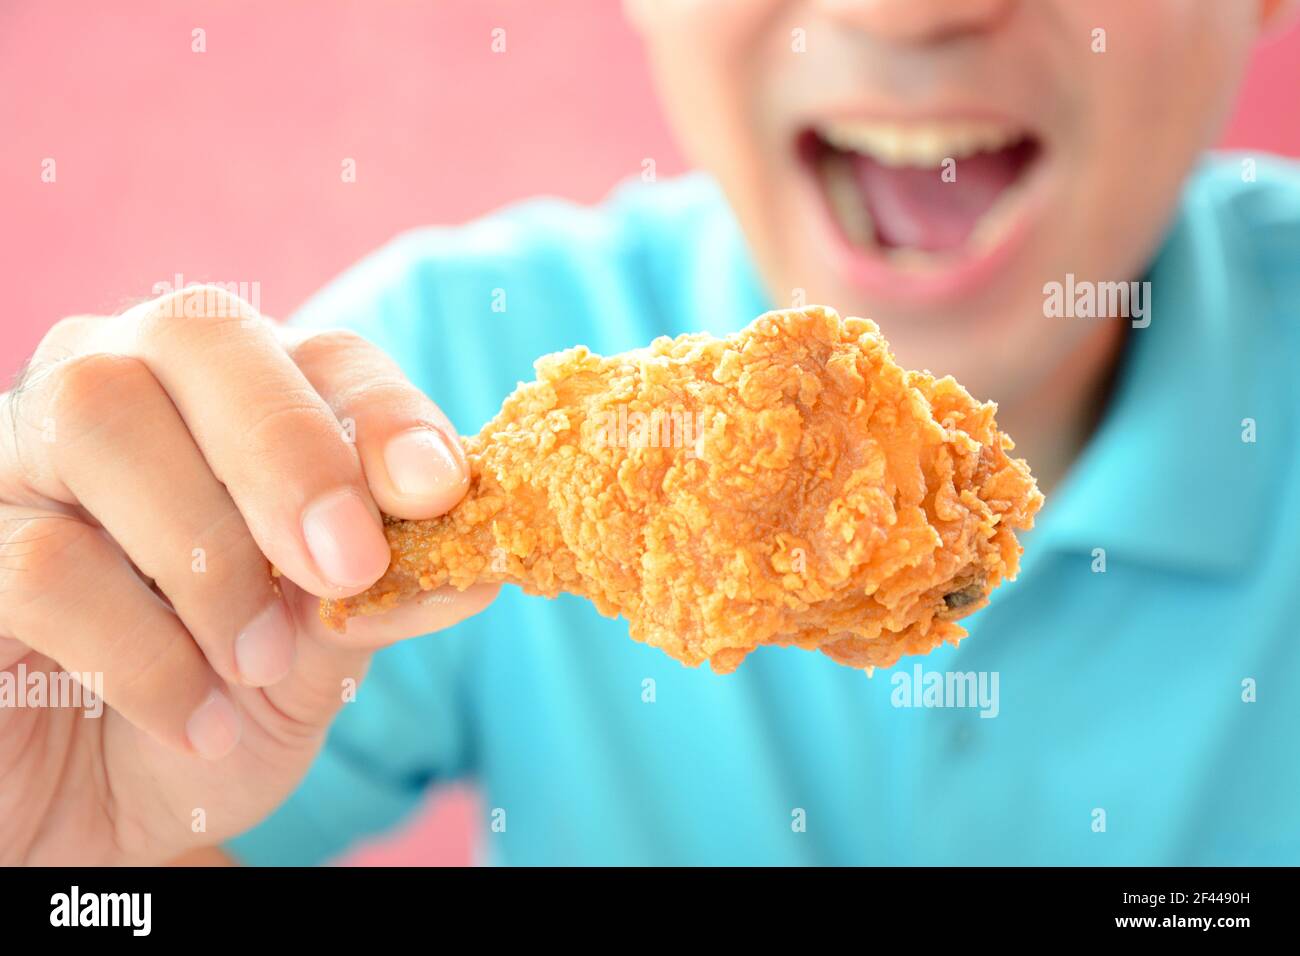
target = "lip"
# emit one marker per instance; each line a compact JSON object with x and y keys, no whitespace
{"x":943,"y":279}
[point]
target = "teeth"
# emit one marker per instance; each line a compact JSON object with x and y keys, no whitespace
{"x":850,"y":210}
{"x":926,"y":145}
{"x":994,"y":223}
{"x":846,"y":201}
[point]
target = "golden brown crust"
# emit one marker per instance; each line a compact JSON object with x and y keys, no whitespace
{"x":788,"y":484}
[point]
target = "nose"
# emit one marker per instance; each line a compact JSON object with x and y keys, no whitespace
{"x":917,"y":21}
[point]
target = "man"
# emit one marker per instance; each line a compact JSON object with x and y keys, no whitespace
{"x":949,"y":170}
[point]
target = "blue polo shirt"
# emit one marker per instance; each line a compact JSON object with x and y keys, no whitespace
{"x":1147,"y":661}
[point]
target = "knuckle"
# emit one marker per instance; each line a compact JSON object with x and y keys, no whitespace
{"x":60,"y":338}
{"x":368,"y":398}
{"x":61,"y":329}
{"x":144,"y":667}
{"x":18,"y":427}
{"x":293,"y":420}
{"x":319,"y":348}
{"x":231,"y":556}
{"x":210,"y":306}
{"x":87,"y":385}
{"x":357,"y":375}
{"x":39,"y":554}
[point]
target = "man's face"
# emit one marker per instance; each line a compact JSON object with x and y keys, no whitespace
{"x":931,"y":164}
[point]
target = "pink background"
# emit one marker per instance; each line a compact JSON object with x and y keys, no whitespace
{"x":225,"y":166}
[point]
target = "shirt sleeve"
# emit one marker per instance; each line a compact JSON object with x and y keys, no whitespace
{"x":405,"y":731}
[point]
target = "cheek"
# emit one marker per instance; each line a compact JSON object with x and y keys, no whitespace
{"x":707,"y":58}
{"x":681,"y":19}
{"x":703,"y":35}
{"x":1152,"y":103}
{"x":1168,"y":74}
{"x":695,"y":45}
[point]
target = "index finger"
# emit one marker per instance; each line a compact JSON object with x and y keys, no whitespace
{"x":265,"y":433}
{"x":413,"y":461}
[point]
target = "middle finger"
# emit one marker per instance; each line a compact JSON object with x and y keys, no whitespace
{"x":266,"y":435}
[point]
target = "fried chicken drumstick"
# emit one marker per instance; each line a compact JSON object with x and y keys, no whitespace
{"x":788,"y":484}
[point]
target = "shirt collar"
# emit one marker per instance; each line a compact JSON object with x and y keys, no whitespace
{"x":1167,"y":480}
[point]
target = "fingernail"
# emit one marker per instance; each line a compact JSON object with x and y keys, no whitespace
{"x":213,"y":728}
{"x":421,"y":464}
{"x":344,"y":539}
{"x":264,"y":650}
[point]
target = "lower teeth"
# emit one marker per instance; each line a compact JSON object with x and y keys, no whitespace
{"x":994,"y":223}
{"x":846,"y":202}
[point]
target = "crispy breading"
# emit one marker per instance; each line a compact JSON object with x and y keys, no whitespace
{"x":788,"y":484}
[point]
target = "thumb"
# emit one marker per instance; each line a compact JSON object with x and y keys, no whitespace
{"x":311,"y":693}
{"x":425,"y":613}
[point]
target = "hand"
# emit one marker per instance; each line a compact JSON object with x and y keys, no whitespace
{"x":154,"y":466}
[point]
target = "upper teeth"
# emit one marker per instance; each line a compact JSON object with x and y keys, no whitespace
{"x":926,"y":144}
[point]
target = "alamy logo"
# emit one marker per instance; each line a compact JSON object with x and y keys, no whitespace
{"x":657,"y":428}
{"x":209,"y":299}
{"x":923,"y":688}
{"x":133,"y":910}
{"x":21,"y":688}
{"x":1073,"y":299}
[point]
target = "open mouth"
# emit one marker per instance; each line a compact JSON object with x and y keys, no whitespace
{"x":922,"y":195}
